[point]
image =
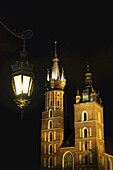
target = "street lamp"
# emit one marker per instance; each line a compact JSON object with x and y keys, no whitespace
{"x":22,"y":80}
{"x":22,"y":73}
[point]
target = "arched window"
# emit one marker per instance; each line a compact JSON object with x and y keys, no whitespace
{"x":68,"y":161}
{"x":50,"y":113}
{"x":50,"y":124}
{"x":85,"y":132}
{"x":84,"y":116}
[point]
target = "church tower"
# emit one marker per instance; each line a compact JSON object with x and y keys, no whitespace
{"x":89,"y":127}
{"x":52,"y":122}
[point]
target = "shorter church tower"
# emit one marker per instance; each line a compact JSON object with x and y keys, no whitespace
{"x":52,"y":122}
{"x":89,"y":127}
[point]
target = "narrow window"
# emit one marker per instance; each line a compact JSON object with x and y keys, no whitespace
{"x":58,"y":103}
{"x":85,"y":133}
{"x":85,"y":145}
{"x":85,"y":116}
{"x":50,"y":136}
{"x":86,"y":159}
{"x":50,"y":124}
{"x":50,"y":113}
{"x":50,"y":149}
{"x":51,"y":163}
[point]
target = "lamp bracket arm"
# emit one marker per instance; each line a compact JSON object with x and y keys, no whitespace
{"x":26,"y":34}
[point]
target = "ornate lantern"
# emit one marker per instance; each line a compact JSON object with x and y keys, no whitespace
{"x":22,"y":80}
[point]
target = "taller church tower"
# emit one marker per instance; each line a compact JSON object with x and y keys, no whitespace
{"x":52,"y":122}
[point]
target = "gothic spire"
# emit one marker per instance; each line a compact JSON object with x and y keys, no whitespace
{"x":55,"y":70}
{"x":56,"y":81}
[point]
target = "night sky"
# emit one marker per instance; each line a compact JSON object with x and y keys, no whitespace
{"x":84,"y":35}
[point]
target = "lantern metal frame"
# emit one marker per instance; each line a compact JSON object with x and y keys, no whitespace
{"x":23,"y":69}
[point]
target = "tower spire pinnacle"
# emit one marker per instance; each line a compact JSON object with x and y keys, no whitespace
{"x":87,"y":67}
{"x":88,"y":78}
{"x":55,"y":49}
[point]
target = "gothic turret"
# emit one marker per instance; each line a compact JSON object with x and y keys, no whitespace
{"x":89,"y":94}
{"x":55,"y":80}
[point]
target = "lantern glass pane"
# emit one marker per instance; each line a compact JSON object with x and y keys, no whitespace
{"x":30,"y":87}
{"x":18,"y":84}
{"x":26,"y":80}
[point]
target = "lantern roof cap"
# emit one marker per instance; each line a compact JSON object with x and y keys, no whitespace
{"x":20,"y":65}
